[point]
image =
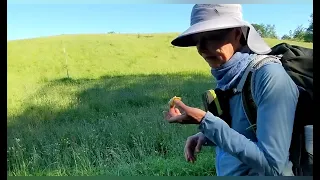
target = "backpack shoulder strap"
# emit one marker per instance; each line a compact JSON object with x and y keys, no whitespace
{"x":248,"y":103}
{"x":245,"y":87}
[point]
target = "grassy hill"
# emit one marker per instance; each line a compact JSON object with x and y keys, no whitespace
{"x":106,"y":118}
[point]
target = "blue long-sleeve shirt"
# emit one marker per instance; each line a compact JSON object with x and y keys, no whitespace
{"x":241,"y":152}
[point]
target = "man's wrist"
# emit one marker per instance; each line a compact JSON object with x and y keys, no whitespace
{"x":204,"y":117}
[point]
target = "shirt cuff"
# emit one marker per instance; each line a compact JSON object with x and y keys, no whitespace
{"x":207,"y":117}
{"x":203,"y":126}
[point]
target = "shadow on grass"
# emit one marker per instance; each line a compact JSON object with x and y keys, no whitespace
{"x":100,"y":126}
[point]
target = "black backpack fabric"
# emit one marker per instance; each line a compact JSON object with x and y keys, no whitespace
{"x":298,"y":63}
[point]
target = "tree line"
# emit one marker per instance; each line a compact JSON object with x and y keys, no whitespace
{"x":299,"y":34}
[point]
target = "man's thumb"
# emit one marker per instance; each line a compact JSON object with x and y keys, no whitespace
{"x":180,"y":104}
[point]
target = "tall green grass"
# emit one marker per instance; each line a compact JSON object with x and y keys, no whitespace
{"x":106,"y":119}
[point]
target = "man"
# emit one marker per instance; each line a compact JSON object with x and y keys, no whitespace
{"x":229,"y":44}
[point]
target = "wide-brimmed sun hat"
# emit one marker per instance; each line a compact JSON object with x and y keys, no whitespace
{"x":211,"y":17}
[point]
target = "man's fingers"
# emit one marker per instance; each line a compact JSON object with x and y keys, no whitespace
{"x":186,"y":156}
{"x":189,"y":152}
{"x":198,"y":147}
{"x":178,"y":119}
{"x":190,"y":155}
{"x":180,"y":104}
{"x":166,"y":114}
{"x":177,"y":110}
{"x":172,"y":110}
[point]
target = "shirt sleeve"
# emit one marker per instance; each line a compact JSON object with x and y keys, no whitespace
{"x":276,"y":97}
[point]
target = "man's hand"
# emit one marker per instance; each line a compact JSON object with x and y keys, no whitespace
{"x":193,"y":145}
{"x":190,"y":115}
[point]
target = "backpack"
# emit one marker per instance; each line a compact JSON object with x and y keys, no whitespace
{"x":298,"y":63}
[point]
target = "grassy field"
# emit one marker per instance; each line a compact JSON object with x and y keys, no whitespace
{"x":106,"y":118}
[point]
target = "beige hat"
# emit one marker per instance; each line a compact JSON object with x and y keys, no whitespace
{"x":211,"y":17}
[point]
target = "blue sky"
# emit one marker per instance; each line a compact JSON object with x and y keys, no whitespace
{"x":36,"y":20}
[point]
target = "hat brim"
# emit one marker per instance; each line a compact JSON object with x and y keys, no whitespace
{"x":254,"y":40}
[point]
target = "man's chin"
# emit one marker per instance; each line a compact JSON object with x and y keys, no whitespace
{"x":214,"y":66}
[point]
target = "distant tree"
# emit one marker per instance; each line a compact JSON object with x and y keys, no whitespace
{"x":266,"y":31}
{"x":290,"y":34}
{"x":310,"y":28}
{"x":299,"y":33}
{"x":286,"y":37}
{"x":271,"y":31}
{"x":260,"y":28}
{"x":309,"y":32}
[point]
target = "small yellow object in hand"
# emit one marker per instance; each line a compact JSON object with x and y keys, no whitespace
{"x":171,"y":102}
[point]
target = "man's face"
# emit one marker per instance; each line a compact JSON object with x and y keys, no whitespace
{"x":217,"y":47}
